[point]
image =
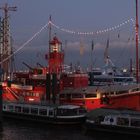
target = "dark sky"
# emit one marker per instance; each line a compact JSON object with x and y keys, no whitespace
{"x":79,"y":16}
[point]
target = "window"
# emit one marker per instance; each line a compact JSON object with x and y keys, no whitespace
{"x":77,"y":96}
{"x":10,"y":107}
{"x":4,"y":107}
{"x":122,"y":92}
{"x":82,"y":110}
{"x":34,"y":110}
{"x":123,"y":121}
{"x":37,"y":94}
{"x":67,"y":112}
{"x":62,"y":96}
{"x":111,"y":120}
{"x":136,"y":89}
{"x":91,"y":95}
{"x":135,"y":122}
{"x":25,"y":110}
{"x":50,"y":112}
{"x":43,"y":112}
{"x":17,"y":109}
{"x":68,"y":96}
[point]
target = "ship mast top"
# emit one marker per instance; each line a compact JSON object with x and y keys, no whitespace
{"x":50,"y":30}
{"x":137,"y":43}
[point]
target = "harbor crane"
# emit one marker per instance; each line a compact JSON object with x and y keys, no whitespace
{"x":5,"y":44}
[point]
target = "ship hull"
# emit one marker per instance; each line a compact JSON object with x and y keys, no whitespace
{"x":47,"y":120}
{"x":55,"y":114}
{"x":110,"y":129}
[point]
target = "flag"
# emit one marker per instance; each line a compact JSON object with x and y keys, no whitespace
{"x":118,"y":35}
{"x":81,"y":48}
{"x":128,"y":39}
{"x":133,"y":39}
{"x":92,"y":45}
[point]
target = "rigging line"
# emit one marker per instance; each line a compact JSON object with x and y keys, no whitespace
{"x":28,"y":41}
{"x":93,"y":33}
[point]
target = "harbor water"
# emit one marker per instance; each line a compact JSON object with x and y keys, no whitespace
{"x":23,"y":130}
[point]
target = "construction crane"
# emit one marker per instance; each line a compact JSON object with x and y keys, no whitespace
{"x":6,"y":49}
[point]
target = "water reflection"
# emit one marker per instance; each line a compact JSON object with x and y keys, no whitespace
{"x":23,"y":130}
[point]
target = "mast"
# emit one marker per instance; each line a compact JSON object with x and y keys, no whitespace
{"x":136,"y":33}
{"x":1,"y":44}
{"x":92,"y":48}
{"x":50,"y":33}
{"x":50,"y":30}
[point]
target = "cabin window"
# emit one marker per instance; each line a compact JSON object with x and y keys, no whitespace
{"x":68,"y":96}
{"x":103,"y":80}
{"x":39,"y":71}
{"x":123,"y":121}
{"x":60,"y":112}
{"x":10,"y":107}
{"x":112,"y":93}
{"x":37,"y":94}
{"x":50,"y":112}
{"x":43,"y":112}
{"x":17,"y":109}
{"x":24,"y":93}
{"x":122,"y":92}
{"x":34,"y":110}
{"x":82,"y":110}
{"x":91,"y":95}
{"x":135,"y":122}
{"x":25,"y":110}
{"x":4,"y":107}
{"x":62,"y":95}
{"x":101,"y":118}
{"x":136,"y":89}
{"x":123,"y":79}
{"x":105,"y":93}
{"x":66,"y":112}
{"x":111,"y":120}
{"x":77,"y":96}
{"x":106,"y":119}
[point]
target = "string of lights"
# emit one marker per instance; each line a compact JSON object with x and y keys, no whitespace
{"x":93,"y":33}
{"x":71,"y":32}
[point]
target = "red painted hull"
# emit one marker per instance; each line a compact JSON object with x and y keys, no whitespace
{"x":127,"y":100}
{"x":131,"y":101}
